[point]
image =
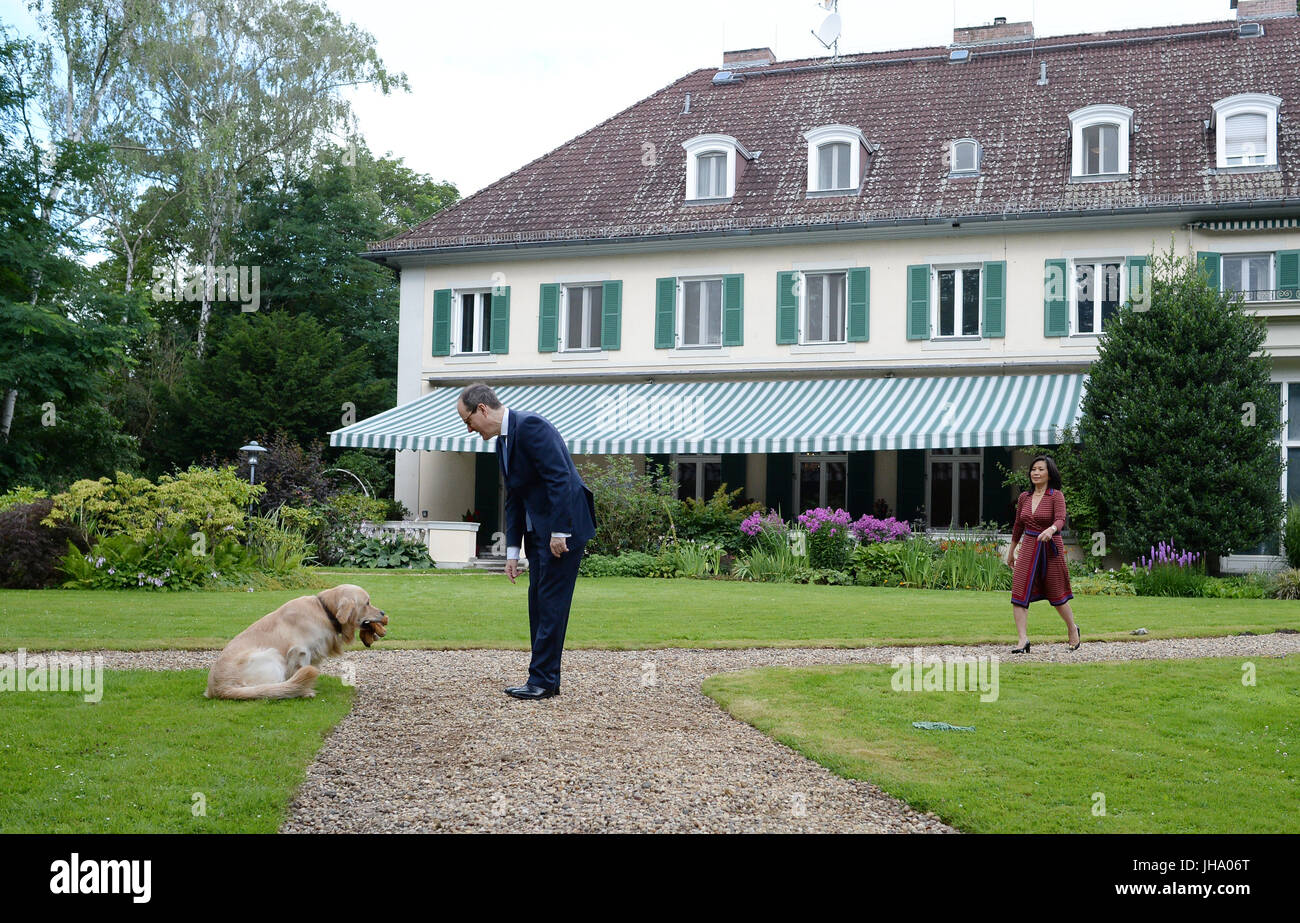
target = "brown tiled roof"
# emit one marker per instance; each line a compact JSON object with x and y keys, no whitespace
{"x":911,"y":103}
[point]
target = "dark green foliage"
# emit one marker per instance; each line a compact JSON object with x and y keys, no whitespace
{"x":1291,"y":536}
{"x":628,"y":564}
{"x":276,"y":371}
{"x":29,"y":551}
{"x":1168,"y":451}
{"x":878,"y":564}
{"x":634,"y":512}
{"x":716,"y":520}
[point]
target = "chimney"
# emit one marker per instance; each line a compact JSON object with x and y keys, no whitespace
{"x":999,"y":31}
{"x":750,"y":57}
{"x":1263,"y":9}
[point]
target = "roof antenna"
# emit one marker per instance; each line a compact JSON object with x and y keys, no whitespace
{"x":828,"y":33}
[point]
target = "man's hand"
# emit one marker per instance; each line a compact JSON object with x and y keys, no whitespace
{"x":559,"y":545}
{"x":512,"y":569}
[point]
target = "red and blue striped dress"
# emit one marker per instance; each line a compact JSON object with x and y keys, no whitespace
{"x":1041,"y":572}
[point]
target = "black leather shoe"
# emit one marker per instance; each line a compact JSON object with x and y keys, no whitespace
{"x":531,"y":692}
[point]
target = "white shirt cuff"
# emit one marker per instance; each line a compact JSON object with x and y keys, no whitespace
{"x":561,"y":535}
{"x":512,"y":554}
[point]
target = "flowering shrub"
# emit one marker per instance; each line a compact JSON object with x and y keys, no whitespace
{"x":1166,"y":571}
{"x":829,"y":537}
{"x":871,"y":529}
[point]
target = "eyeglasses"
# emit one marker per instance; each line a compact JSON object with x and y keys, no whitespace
{"x":469,"y":417}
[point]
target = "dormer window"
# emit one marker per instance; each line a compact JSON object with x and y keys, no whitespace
{"x":965,"y":157}
{"x":835,"y":159}
{"x":1100,"y":141}
{"x":1246,"y":130}
{"x":713,"y":165}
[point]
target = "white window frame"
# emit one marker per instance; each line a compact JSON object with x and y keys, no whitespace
{"x":562,"y":334}
{"x":956,"y":457}
{"x":831,"y":134}
{"x":681,"y":312}
{"x":712,"y":144}
{"x":804,"y":325}
{"x":953,"y":170}
{"x":1270,"y":276}
{"x":699,"y":461}
{"x":1095,"y":263}
{"x":935,"y":269}
{"x":1243,"y":104}
{"x":482,"y":331}
{"x":1102,"y":114}
{"x":801,"y":458}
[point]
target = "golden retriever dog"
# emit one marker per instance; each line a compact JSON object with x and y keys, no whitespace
{"x":275,"y":657}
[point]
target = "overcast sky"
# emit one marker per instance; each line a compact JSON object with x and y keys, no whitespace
{"x":496,"y":84}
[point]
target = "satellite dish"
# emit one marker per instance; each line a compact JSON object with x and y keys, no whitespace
{"x":829,"y":31}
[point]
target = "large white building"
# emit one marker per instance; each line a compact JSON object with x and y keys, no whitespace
{"x":856,"y":281}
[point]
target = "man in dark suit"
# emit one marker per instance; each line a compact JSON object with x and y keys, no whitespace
{"x":549,"y":510}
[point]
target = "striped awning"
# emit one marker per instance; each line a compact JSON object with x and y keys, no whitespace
{"x":823,"y":415}
{"x":1249,"y":224}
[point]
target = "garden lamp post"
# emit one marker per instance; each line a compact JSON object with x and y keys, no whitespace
{"x":253,"y":450}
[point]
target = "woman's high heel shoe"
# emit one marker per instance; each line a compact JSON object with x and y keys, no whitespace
{"x":1079,"y":634}
{"x":1021,"y":650}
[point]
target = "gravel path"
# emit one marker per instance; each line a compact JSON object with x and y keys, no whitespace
{"x":432,"y":743}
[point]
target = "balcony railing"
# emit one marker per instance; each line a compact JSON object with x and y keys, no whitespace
{"x":1270,"y":294}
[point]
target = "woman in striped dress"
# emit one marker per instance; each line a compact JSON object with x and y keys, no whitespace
{"x":1037,"y":553}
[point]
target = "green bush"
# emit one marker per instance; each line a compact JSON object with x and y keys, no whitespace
{"x":369,"y":547}
{"x":1291,"y":536}
{"x":1287,"y":584}
{"x":29,"y":550}
{"x":772,"y":560}
{"x":878,"y":564}
{"x":1233,"y":588}
{"x":970,"y":562}
{"x":1101,"y":584}
{"x":166,"y":559}
{"x":628,"y":564}
{"x":633,"y":512}
{"x":694,"y":559}
{"x":1168,"y":579}
{"x":20,"y":495}
{"x":715,"y":521}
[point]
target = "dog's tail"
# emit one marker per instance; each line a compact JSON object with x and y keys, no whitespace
{"x":300,"y":685}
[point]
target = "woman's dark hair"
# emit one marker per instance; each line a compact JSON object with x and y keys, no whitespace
{"x":1053,"y":473}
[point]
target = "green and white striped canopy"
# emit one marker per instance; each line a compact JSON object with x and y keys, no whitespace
{"x":826,"y":415}
{"x":1249,"y":224}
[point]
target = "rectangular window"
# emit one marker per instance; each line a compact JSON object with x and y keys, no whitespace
{"x":701,"y":322}
{"x":582,"y":310}
{"x":1245,"y":139}
{"x":954,"y":488}
{"x":1100,"y":149}
{"x":825,"y":295}
{"x":957,"y":301}
{"x":823,"y":481}
{"x":473,"y":325}
{"x":712,"y":180}
{"x":1098,"y":293}
{"x":698,"y":476}
{"x":833,"y":166}
{"x":1250,"y":274}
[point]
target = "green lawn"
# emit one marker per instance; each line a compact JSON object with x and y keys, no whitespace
{"x":133,"y":762}
{"x":459,"y":610}
{"x":1174,"y":746}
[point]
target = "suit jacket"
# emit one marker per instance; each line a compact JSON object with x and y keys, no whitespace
{"x":541,"y":480}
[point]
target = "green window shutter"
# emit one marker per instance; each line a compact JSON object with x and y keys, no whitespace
{"x":548,"y":318}
{"x":1287,"y":272}
{"x":1210,"y":262}
{"x":665,"y":313}
{"x":859,"y":305}
{"x":918,"y":302}
{"x":1139,"y":282}
{"x":995,"y":299}
{"x":733,"y":310}
{"x":733,"y":473}
{"x":500,"y":334}
{"x":1056,"y":299}
{"x":998,"y":500}
{"x":787,"y":308}
{"x":861,"y":484}
{"x":911,"y":484}
{"x":442,"y":322}
{"x":780,"y":483}
{"x":611,"y":315}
